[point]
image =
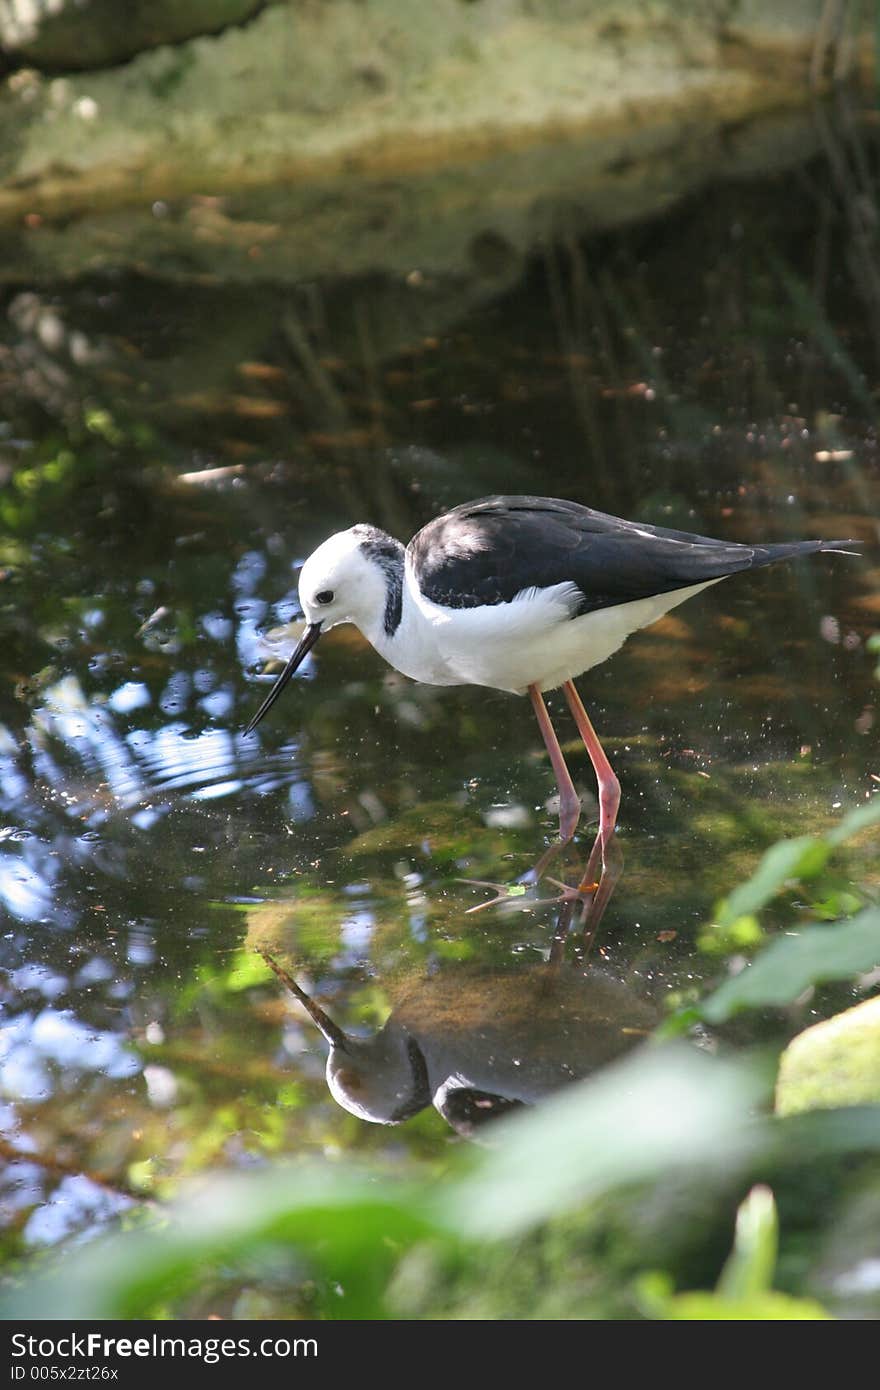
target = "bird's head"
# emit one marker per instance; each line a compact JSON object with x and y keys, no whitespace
{"x":355,"y":576}
{"x":341,"y":582}
{"x":383,"y":1079}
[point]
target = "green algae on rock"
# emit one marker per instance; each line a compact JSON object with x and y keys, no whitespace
{"x":834,"y":1063}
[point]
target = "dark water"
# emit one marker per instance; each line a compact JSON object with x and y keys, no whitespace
{"x":170,"y":453}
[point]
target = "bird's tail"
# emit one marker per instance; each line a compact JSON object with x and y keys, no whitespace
{"x":789,"y":550}
{"x":836,"y":547}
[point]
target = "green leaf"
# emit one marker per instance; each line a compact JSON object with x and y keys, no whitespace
{"x":744,"y":1291}
{"x":791,"y":963}
{"x":742,"y":934}
{"x":766,"y":1307}
{"x":681,"y":1021}
{"x":826,"y":1133}
{"x":749,"y":1271}
{"x":664,"y":1108}
{"x":789,"y":859}
{"x":855,"y":821}
{"x":349,"y":1229}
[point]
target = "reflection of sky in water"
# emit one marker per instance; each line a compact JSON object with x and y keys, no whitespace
{"x":82,"y":763}
{"x":131,"y":695}
{"x":218,"y":703}
{"x":417,"y":904}
{"x":132,"y":766}
{"x":21,"y":1186}
{"x":217,"y":626}
{"x":94,"y":972}
{"x":38,"y":977}
{"x":76,"y":1204}
{"x":86,"y":763}
{"x":31,"y":1042}
{"x":170,"y":761}
{"x":355,"y":935}
{"x":24,"y":891}
{"x":14,"y":785}
{"x":299,"y":799}
{"x":176,"y":692}
{"x":23,"y":1074}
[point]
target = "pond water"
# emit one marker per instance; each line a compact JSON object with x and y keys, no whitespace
{"x":171,"y":452}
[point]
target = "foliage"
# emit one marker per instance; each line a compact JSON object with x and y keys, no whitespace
{"x":791,"y":963}
{"x":665,"y":1111}
{"x":119,"y":562}
{"x":744,"y":1291}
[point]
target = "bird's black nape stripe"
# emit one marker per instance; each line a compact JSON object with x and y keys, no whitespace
{"x":388,"y":555}
{"x":420,"y":1095}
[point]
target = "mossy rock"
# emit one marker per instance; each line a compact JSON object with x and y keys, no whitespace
{"x":833,"y":1063}
{"x":63,"y":35}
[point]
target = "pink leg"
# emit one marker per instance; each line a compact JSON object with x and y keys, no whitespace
{"x":598,"y":882}
{"x":609,"y":787}
{"x":602,"y":891}
{"x":569,"y":801}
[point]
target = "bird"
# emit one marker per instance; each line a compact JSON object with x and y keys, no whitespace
{"x":520,"y":594}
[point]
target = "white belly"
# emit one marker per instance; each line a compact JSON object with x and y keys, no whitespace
{"x":510,"y":646}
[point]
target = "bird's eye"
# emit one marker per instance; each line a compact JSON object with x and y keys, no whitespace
{"x":325,"y":596}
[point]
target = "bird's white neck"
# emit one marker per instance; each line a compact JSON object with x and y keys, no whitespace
{"x":412,"y":647}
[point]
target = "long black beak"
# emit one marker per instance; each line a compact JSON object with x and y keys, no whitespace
{"x":331,"y":1031}
{"x":307,"y":641}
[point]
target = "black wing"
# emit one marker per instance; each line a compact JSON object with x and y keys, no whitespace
{"x":488,"y":551}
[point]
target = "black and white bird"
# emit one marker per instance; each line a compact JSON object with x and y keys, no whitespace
{"x":520,"y":594}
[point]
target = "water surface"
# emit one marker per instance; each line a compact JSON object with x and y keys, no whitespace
{"x":171,"y":451}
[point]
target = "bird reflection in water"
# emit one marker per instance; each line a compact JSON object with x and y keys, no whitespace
{"x":478,"y":1043}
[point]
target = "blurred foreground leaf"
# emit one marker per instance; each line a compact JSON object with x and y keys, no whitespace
{"x":659,"y":1302}
{"x":791,"y":963}
{"x":349,"y":1227}
{"x":668,"y":1111}
{"x":665,"y":1109}
{"x":789,"y":859}
{"x":744,"y":1292}
{"x":793,"y":860}
{"x":752,"y":1263}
